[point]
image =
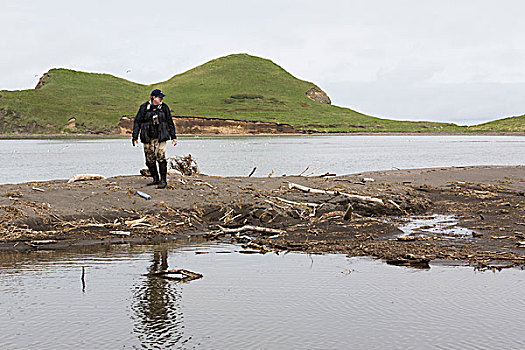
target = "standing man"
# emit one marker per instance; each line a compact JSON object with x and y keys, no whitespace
{"x":155,"y":125}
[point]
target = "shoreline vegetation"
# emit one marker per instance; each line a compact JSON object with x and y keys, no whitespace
{"x":393,"y":215}
{"x":237,"y":94}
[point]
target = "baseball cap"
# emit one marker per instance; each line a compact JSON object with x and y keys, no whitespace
{"x":158,"y":93}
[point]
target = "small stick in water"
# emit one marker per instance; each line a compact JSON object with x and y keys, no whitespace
{"x":82,"y":279}
{"x":253,"y":170}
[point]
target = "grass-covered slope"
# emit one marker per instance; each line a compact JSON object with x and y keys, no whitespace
{"x":511,"y":124}
{"x":96,"y":101}
{"x":253,"y":88}
{"x":238,"y":86}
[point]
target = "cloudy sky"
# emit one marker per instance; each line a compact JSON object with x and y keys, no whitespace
{"x":461,"y":61}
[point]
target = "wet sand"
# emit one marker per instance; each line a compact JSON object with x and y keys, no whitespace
{"x":488,"y":201}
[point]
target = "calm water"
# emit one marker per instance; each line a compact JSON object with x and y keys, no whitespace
{"x":287,"y":301}
{"x":31,"y":160}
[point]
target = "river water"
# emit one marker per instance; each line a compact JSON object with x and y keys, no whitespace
{"x":32,"y":160}
{"x":286,"y":301}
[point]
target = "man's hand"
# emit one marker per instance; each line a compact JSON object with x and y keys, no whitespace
{"x":174,"y":141}
{"x":133,"y":142}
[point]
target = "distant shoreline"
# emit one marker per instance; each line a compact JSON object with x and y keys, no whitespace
{"x":120,"y":136}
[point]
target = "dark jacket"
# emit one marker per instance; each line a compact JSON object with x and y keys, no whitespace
{"x":150,"y":127}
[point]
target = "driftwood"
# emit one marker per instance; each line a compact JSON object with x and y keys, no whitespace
{"x":348,"y":212}
{"x":251,"y":228}
{"x":304,"y":171}
{"x":86,"y":177}
{"x":135,"y":222}
{"x":327,"y":174}
{"x":313,"y":205}
{"x":120,"y":233}
{"x":335,"y":193}
{"x":253,"y":170}
{"x":199,"y":182}
{"x":43,"y":241}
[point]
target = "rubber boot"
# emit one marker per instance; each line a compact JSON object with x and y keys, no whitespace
{"x":163,"y":169}
{"x":154,"y":174}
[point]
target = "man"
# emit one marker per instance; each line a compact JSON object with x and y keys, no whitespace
{"x":155,"y":125}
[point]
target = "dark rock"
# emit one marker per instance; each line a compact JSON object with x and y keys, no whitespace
{"x":42,"y":81}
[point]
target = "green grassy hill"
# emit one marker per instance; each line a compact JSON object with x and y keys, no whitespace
{"x":511,"y":124}
{"x":240,"y":86}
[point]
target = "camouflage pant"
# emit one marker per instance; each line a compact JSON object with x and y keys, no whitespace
{"x":155,"y":151}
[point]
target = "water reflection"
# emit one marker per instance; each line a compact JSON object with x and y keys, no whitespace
{"x":250,"y":302}
{"x":156,"y":307}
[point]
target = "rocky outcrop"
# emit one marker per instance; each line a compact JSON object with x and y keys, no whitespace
{"x":199,"y":125}
{"x":318,"y":95}
{"x":42,"y":81}
{"x":71,"y":124}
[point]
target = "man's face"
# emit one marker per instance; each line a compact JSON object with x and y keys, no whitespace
{"x":157,"y":100}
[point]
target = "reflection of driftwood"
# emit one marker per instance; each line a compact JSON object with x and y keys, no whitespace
{"x":86,"y":177}
{"x":335,"y":193}
{"x":417,"y":263}
{"x":186,"y":275}
{"x":185,"y":165}
{"x":251,"y":228}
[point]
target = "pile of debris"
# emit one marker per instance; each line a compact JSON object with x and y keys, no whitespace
{"x":182,"y":165}
{"x":185,"y":165}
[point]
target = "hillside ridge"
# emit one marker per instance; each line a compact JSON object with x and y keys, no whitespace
{"x":234,"y":87}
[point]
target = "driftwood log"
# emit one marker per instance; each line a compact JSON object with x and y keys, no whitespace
{"x":312,"y":205}
{"x":252,"y":228}
{"x":86,"y":177}
{"x":356,"y":197}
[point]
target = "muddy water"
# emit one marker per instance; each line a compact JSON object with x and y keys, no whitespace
{"x":36,"y":160}
{"x":292,"y":301}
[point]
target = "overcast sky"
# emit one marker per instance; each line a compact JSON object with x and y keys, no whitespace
{"x":461,"y":61}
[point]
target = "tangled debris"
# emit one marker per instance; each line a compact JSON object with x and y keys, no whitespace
{"x":185,"y":165}
{"x":312,"y":214}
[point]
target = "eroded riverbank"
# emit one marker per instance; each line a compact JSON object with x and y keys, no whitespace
{"x":487,"y":202}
